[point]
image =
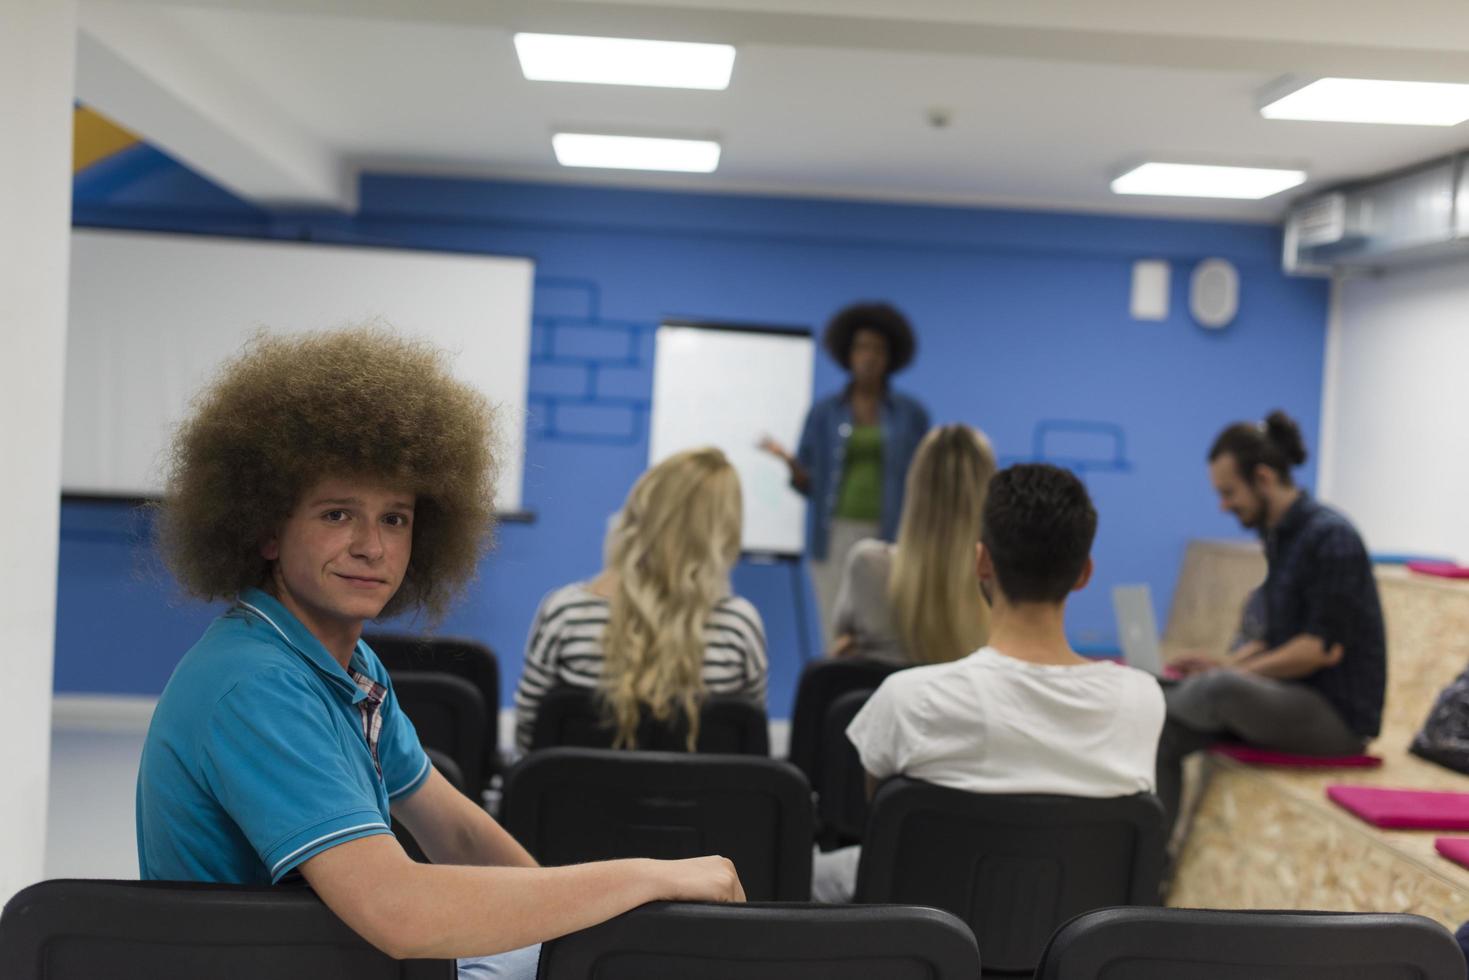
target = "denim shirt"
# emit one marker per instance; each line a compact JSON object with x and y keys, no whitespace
{"x":823,"y":453}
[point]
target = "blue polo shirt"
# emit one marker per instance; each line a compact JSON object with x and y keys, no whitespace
{"x":264,"y":752}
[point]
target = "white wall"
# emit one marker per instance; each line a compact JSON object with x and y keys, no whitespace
{"x":1395,"y":410}
{"x":37,"y":62}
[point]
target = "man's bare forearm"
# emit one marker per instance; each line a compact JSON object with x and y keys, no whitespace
{"x":1298,"y":657}
{"x":434,"y":911}
{"x":450,"y":911}
{"x":453,"y":829}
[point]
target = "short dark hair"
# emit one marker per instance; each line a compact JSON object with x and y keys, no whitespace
{"x":1039,"y":523}
{"x":1275,"y":443}
{"x":883,"y":318}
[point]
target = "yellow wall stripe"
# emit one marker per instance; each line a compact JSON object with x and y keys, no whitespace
{"x":95,"y":137}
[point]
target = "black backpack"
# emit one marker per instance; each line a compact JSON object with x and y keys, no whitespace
{"x":1444,"y":738}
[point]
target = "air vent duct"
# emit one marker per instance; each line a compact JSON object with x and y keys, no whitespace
{"x":1410,"y":216}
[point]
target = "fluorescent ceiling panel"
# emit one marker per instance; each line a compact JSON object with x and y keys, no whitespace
{"x":1365,"y":100}
{"x":1197,"y":180}
{"x":635,"y":152}
{"x":624,"y":61}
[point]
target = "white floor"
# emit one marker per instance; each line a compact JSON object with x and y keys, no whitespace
{"x":95,"y":746}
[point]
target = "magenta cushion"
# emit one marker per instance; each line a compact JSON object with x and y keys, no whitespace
{"x":1443,"y":569}
{"x":1404,"y":808}
{"x":1253,"y":756}
{"x":1456,"y":849}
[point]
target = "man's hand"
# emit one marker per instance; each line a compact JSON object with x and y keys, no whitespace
{"x":1190,"y":664}
{"x":701,"y":879}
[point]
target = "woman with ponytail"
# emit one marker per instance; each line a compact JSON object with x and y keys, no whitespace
{"x":658,"y":629}
{"x":1313,"y":684}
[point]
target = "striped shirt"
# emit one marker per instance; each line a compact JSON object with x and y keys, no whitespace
{"x":565,"y":647}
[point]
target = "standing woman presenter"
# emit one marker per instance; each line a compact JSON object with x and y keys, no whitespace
{"x":856,"y":444}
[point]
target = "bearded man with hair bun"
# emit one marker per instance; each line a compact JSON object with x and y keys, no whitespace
{"x":1314,"y":682}
{"x":319,"y":482}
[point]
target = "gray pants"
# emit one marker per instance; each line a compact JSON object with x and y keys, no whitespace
{"x":1281,"y":715}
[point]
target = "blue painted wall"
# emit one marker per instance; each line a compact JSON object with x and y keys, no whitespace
{"x":1024,"y":332}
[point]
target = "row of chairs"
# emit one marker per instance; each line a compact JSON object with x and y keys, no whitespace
{"x":437,"y":681}
{"x":81,"y":930}
{"x":1011,"y":867}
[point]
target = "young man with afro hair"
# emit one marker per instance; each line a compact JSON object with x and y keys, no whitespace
{"x":323,"y":481}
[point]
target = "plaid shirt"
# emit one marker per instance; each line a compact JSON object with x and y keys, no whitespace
{"x":1320,"y":582}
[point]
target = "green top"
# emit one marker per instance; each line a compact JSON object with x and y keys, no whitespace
{"x":859,"y":498}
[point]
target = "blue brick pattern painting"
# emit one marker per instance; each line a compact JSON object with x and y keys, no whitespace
{"x":1080,"y":446}
{"x":590,"y":377}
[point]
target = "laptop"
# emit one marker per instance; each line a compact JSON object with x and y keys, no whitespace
{"x":1137,"y":628}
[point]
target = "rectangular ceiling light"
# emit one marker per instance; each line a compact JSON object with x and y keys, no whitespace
{"x":1195,"y":180}
{"x":635,"y":152}
{"x":624,"y":61}
{"x":1365,"y":100}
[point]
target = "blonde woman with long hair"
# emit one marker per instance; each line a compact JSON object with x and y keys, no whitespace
{"x":918,"y":601}
{"x":658,"y":629}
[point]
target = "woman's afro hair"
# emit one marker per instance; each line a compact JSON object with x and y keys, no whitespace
{"x":359,"y":403}
{"x":881,"y":317}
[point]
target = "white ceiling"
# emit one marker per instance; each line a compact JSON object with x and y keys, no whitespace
{"x":286,"y":101}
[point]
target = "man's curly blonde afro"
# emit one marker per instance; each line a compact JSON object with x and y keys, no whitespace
{"x":287,"y":412}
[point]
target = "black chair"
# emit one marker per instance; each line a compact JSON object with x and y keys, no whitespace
{"x":677,"y":941}
{"x":450,"y":716}
{"x":572,"y":717}
{"x":146,"y":930}
{"x":572,"y":805}
{"x":1163,"y":944}
{"x":841,"y":782}
{"x":822,"y":682}
{"x":1013,"y":867}
{"x":473,"y":661}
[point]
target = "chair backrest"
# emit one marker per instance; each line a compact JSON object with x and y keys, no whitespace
{"x":572,"y":805}
{"x":450,"y":716}
{"x":841,"y":782}
{"x":571,"y":716}
{"x":468,"y":659}
{"x":675,"y":941}
{"x":144,"y":930}
{"x":1164,"y":944}
{"x":1013,"y":867}
{"x":822,"y":682}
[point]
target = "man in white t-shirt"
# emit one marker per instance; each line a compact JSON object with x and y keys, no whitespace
{"x":1024,"y":714}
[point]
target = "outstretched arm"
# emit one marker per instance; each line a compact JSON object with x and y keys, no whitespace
{"x":436,"y":911}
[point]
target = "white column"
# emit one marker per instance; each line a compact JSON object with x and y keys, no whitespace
{"x":37,"y":69}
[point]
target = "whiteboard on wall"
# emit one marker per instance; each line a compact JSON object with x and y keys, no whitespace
{"x":1394,"y":404}
{"x":728,"y":386}
{"x":152,"y":316}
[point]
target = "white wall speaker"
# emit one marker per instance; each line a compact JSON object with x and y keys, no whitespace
{"x":1213,"y":297}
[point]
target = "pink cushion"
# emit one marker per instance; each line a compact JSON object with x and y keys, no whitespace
{"x":1253,"y":756}
{"x":1443,"y":569}
{"x":1404,"y":808}
{"x":1456,"y":849}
